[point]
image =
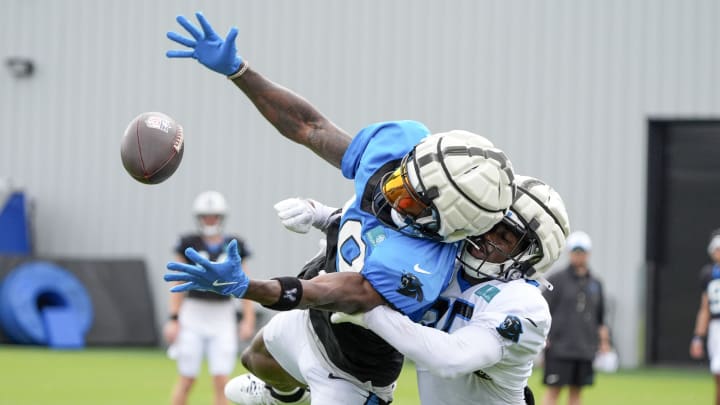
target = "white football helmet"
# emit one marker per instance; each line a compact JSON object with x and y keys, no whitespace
{"x":539,"y":217}
{"x":210,"y":203}
{"x":714,"y":242}
{"x":450,"y":186}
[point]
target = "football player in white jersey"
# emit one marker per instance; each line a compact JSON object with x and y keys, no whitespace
{"x":707,"y":321}
{"x":203,"y":324}
{"x":482,"y":334}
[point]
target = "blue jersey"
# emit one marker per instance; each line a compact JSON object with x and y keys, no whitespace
{"x":408,"y":272}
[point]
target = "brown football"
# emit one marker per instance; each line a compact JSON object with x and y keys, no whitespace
{"x":152,"y":147}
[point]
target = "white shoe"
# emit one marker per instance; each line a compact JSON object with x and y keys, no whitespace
{"x":247,"y":389}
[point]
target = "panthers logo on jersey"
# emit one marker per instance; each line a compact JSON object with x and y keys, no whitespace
{"x":410,"y":286}
{"x":510,"y":328}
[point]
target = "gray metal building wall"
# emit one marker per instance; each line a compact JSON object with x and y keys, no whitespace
{"x":565,"y":87}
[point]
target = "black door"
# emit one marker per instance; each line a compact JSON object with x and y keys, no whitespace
{"x":683,"y":207}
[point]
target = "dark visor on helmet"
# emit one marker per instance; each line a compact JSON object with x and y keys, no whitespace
{"x":401,"y":195}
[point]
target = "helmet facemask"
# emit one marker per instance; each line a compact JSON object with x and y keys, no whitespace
{"x":413,"y":213}
{"x":539,"y":213}
{"x":518,"y":261}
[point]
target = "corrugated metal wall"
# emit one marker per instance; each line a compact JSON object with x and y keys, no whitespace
{"x":565,"y":87}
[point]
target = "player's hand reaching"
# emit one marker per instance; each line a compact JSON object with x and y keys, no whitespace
{"x":299,"y":214}
{"x":225,"y":278}
{"x":206,"y":46}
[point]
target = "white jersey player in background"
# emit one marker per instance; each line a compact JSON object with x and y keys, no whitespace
{"x":490,"y":323}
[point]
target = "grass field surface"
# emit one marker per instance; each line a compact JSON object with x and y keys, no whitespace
{"x":38,"y":376}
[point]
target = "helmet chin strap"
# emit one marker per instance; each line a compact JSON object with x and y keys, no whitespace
{"x":542,"y":280}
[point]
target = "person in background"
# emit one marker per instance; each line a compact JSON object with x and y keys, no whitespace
{"x":201,"y":323}
{"x":578,"y":331}
{"x":707,"y":321}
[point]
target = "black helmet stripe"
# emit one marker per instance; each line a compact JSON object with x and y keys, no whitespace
{"x":524,"y":189}
{"x":473,"y":151}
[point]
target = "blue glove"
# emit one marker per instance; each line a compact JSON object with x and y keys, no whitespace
{"x":225,"y":278}
{"x":207,"y":47}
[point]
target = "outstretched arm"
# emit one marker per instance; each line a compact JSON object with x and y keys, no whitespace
{"x":346,"y":291}
{"x":293,"y":116}
{"x":342,"y":292}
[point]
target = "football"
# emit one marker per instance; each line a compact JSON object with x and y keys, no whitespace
{"x":152,"y":147}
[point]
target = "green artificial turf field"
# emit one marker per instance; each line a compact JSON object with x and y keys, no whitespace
{"x":35,"y":376}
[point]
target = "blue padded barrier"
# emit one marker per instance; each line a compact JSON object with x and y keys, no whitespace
{"x":63,"y":327}
{"x":42,"y":303}
{"x":15,"y":236}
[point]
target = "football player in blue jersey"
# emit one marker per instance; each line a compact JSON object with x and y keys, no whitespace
{"x":416,"y":196}
{"x":481,"y":336}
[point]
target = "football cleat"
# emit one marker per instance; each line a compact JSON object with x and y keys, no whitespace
{"x":247,"y":389}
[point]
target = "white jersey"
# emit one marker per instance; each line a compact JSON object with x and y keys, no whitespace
{"x":481,"y":343}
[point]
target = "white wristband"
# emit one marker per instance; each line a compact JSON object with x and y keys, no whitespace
{"x":240,"y":71}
